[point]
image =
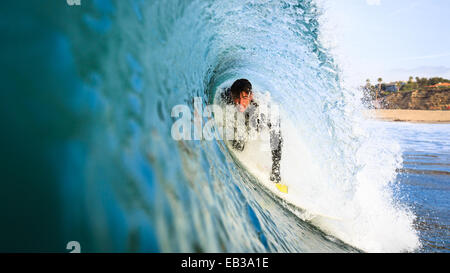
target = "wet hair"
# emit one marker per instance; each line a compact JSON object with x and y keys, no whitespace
{"x":239,"y":86}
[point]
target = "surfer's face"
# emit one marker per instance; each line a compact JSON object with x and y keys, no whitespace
{"x":243,"y":101}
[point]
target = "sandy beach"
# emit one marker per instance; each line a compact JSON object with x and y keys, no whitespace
{"x":422,"y":116}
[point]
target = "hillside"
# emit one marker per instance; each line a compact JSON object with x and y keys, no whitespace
{"x":418,"y":100}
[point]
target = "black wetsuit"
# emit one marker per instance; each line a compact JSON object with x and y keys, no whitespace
{"x":276,"y":140}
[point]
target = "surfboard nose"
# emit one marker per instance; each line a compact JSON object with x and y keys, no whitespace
{"x":282,"y":188}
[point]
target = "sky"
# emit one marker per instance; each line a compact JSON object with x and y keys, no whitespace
{"x":391,"y":39}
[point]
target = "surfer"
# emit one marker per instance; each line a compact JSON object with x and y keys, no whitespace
{"x":240,"y":94}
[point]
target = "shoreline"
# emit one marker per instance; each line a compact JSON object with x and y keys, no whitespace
{"x":415,"y":116}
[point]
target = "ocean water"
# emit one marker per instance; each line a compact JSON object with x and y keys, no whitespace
{"x":87,"y":153}
{"x":424,"y":179}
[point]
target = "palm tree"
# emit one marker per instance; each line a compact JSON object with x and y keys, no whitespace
{"x":380,"y":80}
{"x":418,"y":82}
{"x":368,"y":85}
{"x":368,"y":91}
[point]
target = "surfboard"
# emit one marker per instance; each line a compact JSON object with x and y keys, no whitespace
{"x":260,"y":170}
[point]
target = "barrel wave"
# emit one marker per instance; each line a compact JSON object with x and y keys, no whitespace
{"x":97,"y":89}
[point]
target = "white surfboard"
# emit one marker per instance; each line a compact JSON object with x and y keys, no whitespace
{"x":258,"y":164}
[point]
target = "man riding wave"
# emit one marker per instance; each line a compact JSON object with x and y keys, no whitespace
{"x":240,"y":95}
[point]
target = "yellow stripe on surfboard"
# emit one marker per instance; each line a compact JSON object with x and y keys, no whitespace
{"x":282,"y":188}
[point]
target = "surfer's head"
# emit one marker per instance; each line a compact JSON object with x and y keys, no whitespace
{"x":241,"y":94}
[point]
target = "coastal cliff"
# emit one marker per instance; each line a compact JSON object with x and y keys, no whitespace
{"x":418,"y":100}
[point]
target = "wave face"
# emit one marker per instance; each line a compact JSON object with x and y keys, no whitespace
{"x":97,"y":86}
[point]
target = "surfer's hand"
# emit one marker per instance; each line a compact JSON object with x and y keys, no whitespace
{"x":238,"y":145}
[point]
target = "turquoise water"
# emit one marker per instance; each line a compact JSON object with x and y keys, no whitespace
{"x":87,"y":151}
